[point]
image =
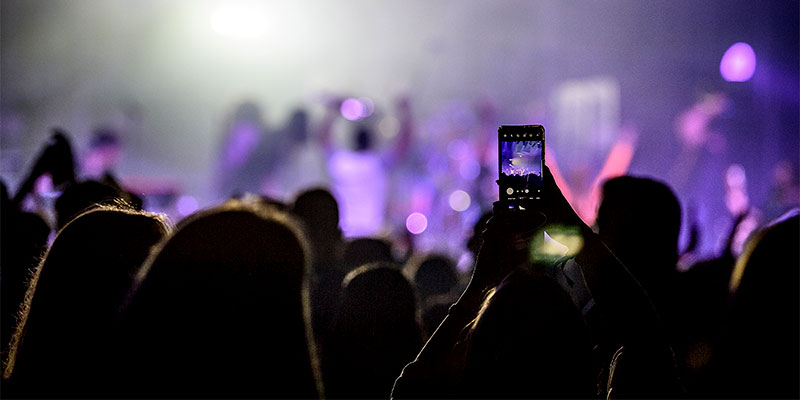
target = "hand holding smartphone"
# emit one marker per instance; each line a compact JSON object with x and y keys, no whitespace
{"x":521,"y":157}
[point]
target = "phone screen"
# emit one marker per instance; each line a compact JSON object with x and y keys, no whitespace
{"x":521,"y":161}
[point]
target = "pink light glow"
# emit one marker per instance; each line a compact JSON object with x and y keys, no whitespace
{"x":416,"y":223}
{"x":738,"y":63}
{"x":353,"y":109}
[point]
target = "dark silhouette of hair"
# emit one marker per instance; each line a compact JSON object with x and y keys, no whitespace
{"x":529,"y":341}
{"x":319,"y":213}
{"x":221,"y":309}
{"x":64,"y":343}
{"x":436,"y":280}
{"x":363,"y":251}
{"x":375,"y":334}
{"x":759,"y":354}
{"x":23,"y":240}
{"x":435,"y":275}
{"x":264,"y":200}
{"x":639,"y":219}
{"x":702,"y":308}
{"x":81,"y":196}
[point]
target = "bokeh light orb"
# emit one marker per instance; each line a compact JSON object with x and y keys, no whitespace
{"x":416,"y":223}
{"x":459,"y":200}
{"x":738,"y":63}
{"x":352,"y":109}
{"x":389,"y":127}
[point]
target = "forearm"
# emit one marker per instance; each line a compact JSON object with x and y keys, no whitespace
{"x":431,"y":374}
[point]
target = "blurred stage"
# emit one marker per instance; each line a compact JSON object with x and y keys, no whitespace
{"x":688,"y":92}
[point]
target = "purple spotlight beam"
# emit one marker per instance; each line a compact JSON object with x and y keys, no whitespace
{"x":738,"y":63}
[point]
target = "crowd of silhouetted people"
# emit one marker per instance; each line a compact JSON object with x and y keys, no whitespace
{"x":259,"y":298}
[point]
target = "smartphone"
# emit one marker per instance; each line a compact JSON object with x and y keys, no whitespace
{"x":521,"y":155}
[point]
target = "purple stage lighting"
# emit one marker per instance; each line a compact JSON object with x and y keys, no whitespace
{"x":458,"y":149}
{"x":470,"y":169}
{"x":416,"y":223}
{"x":738,"y":63}
{"x":353,"y":109}
{"x":369,"y":106}
{"x":186,"y":205}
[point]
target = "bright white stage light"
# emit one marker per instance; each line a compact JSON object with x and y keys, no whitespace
{"x":244,"y":21}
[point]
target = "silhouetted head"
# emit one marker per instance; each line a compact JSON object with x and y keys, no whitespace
{"x":529,"y":341}
{"x":23,"y":237}
{"x":639,"y":219}
{"x":367,"y":250}
{"x":23,"y":240}
{"x":319,"y":211}
{"x":73,"y":301}
{"x":759,"y":352}
{"x":771,"y":253}
{"x":375,"y":334}
{"x":260,"y":199}
{"x":79,"y":197}
{"x":223,"y":307}
{"x":377,"y":296}
{"x":435,"y":275}
{"x":363,"y":139}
